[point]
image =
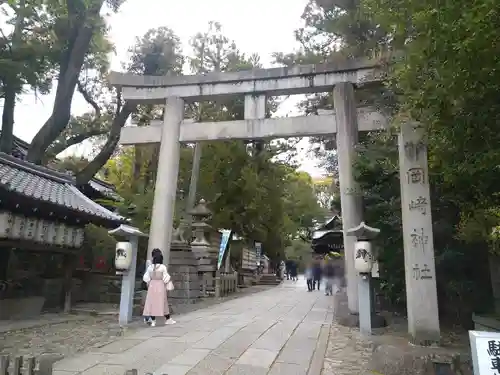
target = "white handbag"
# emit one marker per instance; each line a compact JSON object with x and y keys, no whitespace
{"x":170,"y":286}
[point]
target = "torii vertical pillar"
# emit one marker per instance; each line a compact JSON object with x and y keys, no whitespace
{"x":162,"y":217}
{"x":351,"y":199}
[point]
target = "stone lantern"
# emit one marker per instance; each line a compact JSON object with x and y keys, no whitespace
{"x":205,"y":253}
{"x":200,"y":215}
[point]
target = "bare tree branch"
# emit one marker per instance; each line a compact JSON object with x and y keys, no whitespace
{"x":109,"y":147}
{"x":57,"y":148}
{"x":82,"y":90}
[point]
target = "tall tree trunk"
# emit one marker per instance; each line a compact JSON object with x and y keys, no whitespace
{"x":11,"y":85}
{"x":7,"y":135}
{"x":71,"y":65}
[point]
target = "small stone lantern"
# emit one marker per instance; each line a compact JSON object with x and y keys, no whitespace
{"x":205,"y":253}
{"x":200,"y":214}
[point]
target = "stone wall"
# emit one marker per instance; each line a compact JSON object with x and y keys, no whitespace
{"x":95,"y":287}
{"x":183,"y":268}
{"x":403,"y":359}
{"x":91,"y":287}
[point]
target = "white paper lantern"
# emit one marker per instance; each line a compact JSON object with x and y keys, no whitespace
{"x":51,"y":233}
{"x":69,"y":237}
{"x":6,"y":221}
{"x":363,"y":258}
{"x":18,"y":227}
{"x":42,"y":230}
{"x":30,"y":229}
{"x":123,"y":256}
{"x":78,"y":236}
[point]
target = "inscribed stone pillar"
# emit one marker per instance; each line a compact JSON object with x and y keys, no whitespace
{"x":160,"y":234}
{"x":351,"y":199}
{"x":420,"y":273}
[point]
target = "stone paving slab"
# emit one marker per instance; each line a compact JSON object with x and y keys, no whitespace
{"x":283,"y":330}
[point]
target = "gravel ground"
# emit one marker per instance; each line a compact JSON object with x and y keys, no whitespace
{"x":61,"y":338}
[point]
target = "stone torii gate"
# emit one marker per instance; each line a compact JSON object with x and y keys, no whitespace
{"x":346,"y":121}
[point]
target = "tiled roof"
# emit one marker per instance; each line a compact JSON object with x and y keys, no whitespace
{"x":20,"y":150}
{"x":36,"y":182}
{"x":105,"y":189}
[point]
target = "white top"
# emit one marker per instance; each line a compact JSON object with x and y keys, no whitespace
{"x":156,"y":268}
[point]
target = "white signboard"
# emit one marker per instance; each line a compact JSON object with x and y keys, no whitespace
{"x":485,"y":348}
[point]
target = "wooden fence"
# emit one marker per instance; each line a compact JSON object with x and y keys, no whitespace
{"x":25,"y":366}
{"x":226,"y":284}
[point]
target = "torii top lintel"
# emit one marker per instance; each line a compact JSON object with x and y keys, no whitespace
{"x":300,"y":79}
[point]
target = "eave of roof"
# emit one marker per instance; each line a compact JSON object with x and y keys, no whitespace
{"x":48,"y":186}
{"x":322,"y":233}
{"x":21,"y":150}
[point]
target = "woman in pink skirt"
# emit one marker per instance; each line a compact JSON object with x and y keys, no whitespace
{"x":157,"y":278}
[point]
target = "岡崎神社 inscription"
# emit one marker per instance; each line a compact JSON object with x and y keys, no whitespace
{"x":423,"y":314}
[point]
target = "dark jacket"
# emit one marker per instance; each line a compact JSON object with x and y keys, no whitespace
{"x":329,"y":271}
{"x":293,"y":269}
{"x":317,"y":271}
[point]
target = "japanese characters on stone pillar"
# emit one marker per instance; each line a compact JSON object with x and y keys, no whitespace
{"x":420,"y":272}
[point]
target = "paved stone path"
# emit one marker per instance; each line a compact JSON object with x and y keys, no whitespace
{"x":284,"y":330}
{"x":66,"y":335}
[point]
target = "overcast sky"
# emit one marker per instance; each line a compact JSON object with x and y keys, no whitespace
{"x":258,"y":26}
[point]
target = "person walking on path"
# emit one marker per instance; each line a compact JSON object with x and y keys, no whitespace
{"x":308,"y":274}
{"x":293,"y":270}
{"x":329,"y":273}
{"x":158,"y":281}
{"x":281,"y":270}
{"x":317,"y":273}
{"x":288,"y":265}
{"x":148,"y":262}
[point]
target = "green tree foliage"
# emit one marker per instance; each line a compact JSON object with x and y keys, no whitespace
{"x":270,"y":202}
{"x":25,"y":62}
{"x":79,"y":44}
{"x":44,"y":41}
{"x":439,"y":83}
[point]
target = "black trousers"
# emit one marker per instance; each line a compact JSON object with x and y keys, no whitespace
{"x":314,"y":283}
{"x":309,"y":284}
